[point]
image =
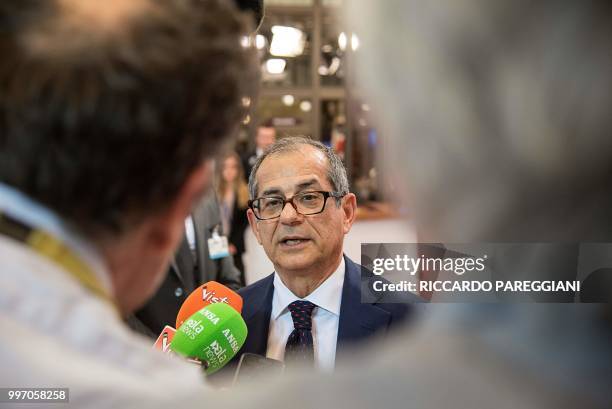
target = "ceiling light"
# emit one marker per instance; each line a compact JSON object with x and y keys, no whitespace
{"x":342,"y":41}
{"x":275,"y":65}
{"x":354,"y":42}
{"x":287,"y":41}
{"x":288,"y":100}
{"x":305,"y":106}
{"x":260,"y":41}
{"x":245,"y":41}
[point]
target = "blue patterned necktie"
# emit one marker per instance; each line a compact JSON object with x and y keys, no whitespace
{"x":299,"y":348}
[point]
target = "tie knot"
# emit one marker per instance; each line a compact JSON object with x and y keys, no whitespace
{"x":301,"y":313}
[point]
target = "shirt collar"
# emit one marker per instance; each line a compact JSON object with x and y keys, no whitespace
{"x":327,"y":296}
{"x":21,"y":207}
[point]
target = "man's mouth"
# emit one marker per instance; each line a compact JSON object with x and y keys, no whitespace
{"x":293,"y":241}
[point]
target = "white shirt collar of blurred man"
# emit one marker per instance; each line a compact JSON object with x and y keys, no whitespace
{"x":21,"y":207}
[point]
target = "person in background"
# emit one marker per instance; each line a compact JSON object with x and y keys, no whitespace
{"x":233,"y":196}
{"x":191,"y":266}
{"x":266,"y":136}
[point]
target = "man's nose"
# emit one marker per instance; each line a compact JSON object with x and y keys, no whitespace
{"x":289,"y":214}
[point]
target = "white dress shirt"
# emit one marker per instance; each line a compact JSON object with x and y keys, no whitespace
{"x":325,"y":318}
{"x":190,"y":232}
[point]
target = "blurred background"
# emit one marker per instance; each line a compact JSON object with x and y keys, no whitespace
{"x":308,"y":89}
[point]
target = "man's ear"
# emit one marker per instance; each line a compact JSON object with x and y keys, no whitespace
{"x":166,"y":229}
{"x":254,"y":225}
{"x":349,"y":207}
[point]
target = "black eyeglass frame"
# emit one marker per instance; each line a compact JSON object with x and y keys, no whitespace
{"x":326,"y":195}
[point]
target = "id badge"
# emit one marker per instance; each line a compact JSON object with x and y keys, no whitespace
{"x":218,"y":246}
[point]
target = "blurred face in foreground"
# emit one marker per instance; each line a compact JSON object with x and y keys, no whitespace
{"x":483,"y":135}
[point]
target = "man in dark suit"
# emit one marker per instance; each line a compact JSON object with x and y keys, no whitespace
{"x":309,"y":310}
{"x":190,"y":267}
{"x":357,"y":320}
{"x":265,"y":137}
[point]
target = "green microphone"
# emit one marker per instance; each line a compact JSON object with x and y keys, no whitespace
{"x":213,"y":335}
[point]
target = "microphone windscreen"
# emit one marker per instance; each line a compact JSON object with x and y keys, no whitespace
{"x":165,"y":338}
{"x":214,"y":335}
{"x":206,"y":294}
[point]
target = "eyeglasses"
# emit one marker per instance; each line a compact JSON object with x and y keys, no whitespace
{"x":305,"y":203}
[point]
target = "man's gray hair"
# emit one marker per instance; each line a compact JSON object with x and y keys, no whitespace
{"x":336,"y":172}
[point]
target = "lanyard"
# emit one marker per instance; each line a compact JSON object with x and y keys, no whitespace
{"x":55,"y":250}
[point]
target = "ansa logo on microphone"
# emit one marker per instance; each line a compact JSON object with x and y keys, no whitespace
{"x":210,"y":296}
{"x":212,"y":317}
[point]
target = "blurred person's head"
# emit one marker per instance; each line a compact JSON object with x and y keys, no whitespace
{"x":304,"y":239}
{"x":265,"y":137}
{"x":95,"y":97}
{"x":230,"y":176}
{"x":497,"y":114}
{"x":497,"y":126}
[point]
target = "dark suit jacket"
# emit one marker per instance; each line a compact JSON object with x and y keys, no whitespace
{"x":239,"y":223}
{"x":205,"y":218}
{"x":183,"y":278}
{"x":248,"y":161}
{"x":358,"y":321}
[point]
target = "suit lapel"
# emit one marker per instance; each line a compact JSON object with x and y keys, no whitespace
{"x":182,"y":265}
{"x":200,"y":227}
{"x":205,"y":218}
{"x":256,"y":313}
{"x":357,"y":320}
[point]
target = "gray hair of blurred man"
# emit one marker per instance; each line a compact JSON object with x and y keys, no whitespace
{"x":498,"y":114}
{"x":336,"y":172}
